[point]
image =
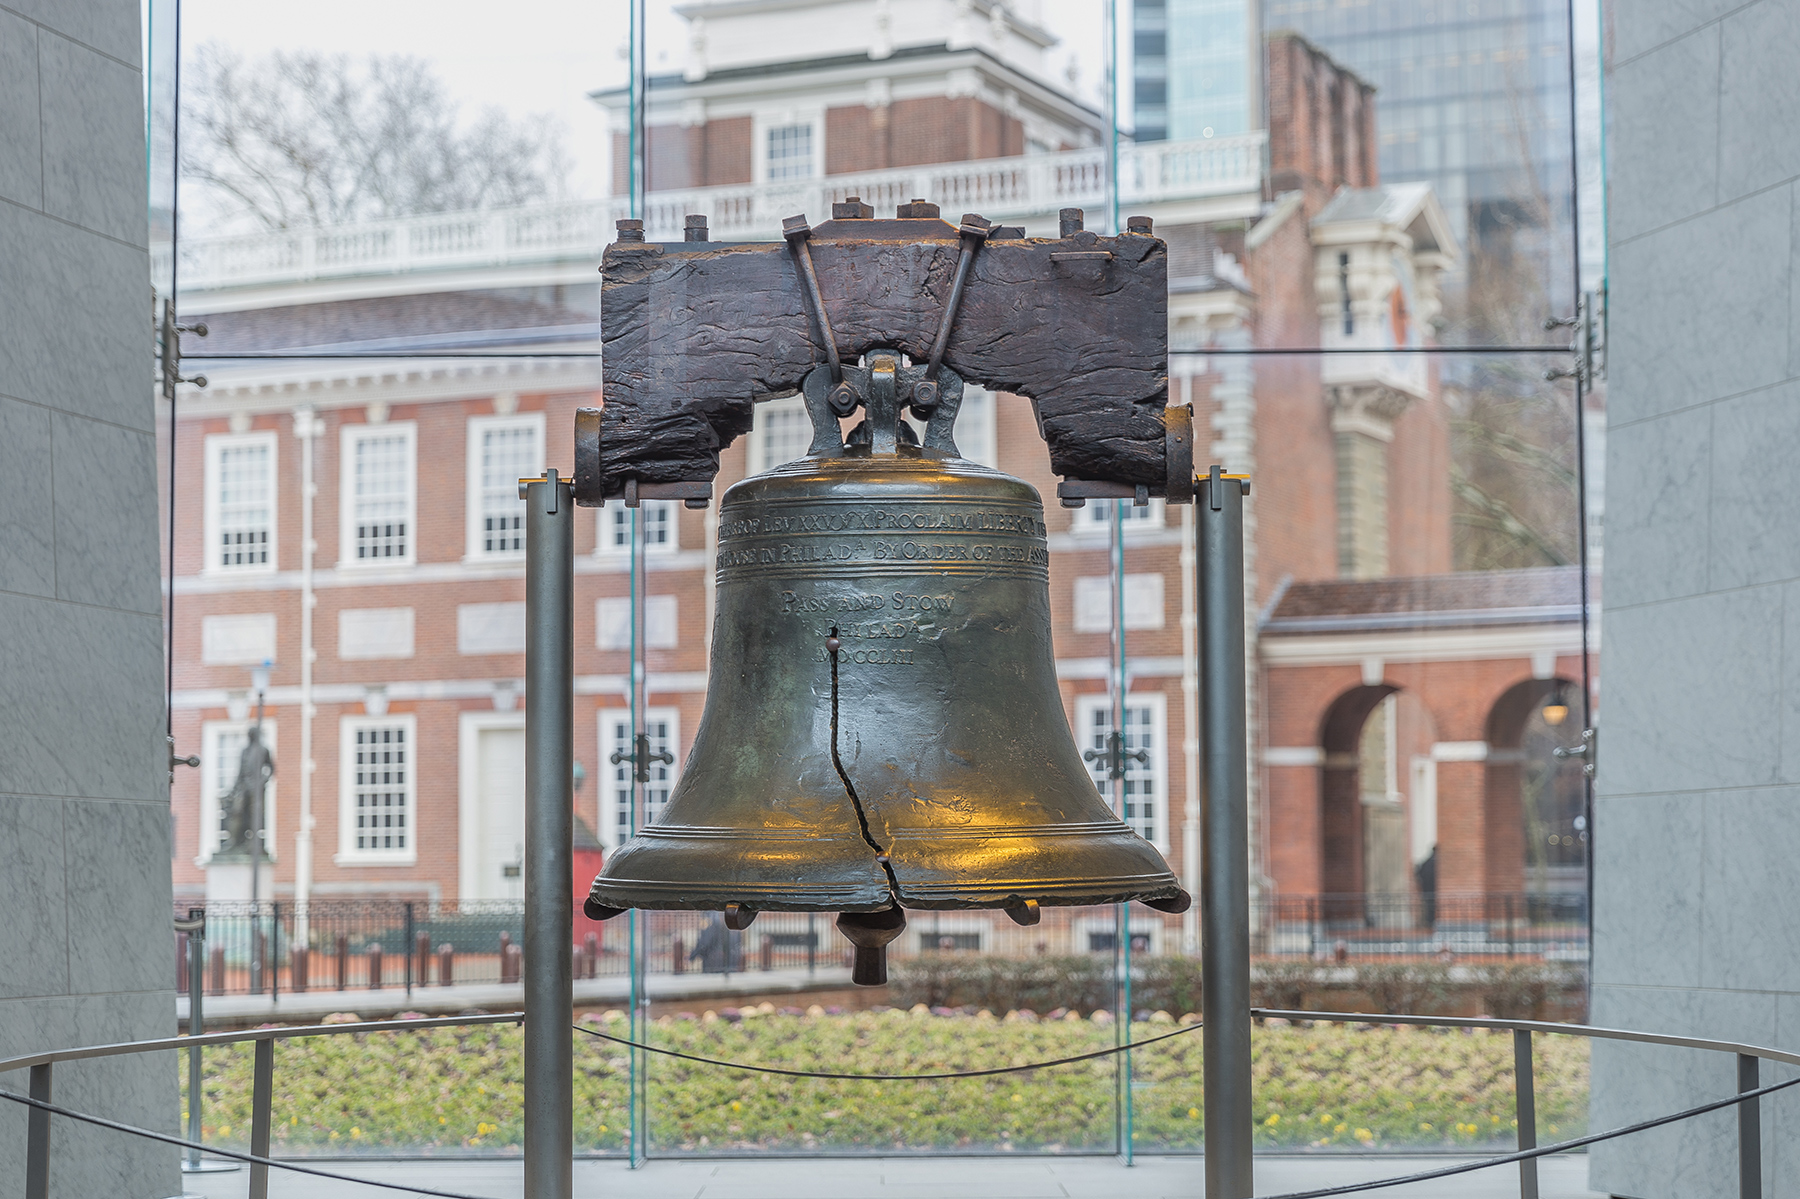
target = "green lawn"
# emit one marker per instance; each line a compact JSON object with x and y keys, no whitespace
{"x":1332,"y":1086}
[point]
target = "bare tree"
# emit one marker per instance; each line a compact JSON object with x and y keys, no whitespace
{"x":300,"y":138}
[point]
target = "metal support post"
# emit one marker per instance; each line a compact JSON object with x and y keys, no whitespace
{"x":262,"y":1097}
{"x":411,"y":947}
{"x":1749,"y":1129}
{"x":196,"y":1025}
{"x":549,"y":836}
{"x":1525,"y":1109}
{"x":1225,"y":884}
{"x":37,"y":1137}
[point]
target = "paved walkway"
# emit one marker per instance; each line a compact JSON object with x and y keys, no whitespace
{"x":916,"y":1178}
{"x":236,"y":1011}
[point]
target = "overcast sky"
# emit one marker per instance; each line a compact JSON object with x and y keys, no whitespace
{"x":530,"y":56}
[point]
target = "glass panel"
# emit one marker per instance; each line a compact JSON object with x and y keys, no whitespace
{"x":1412,"y":513}
{"x":376,"y":184}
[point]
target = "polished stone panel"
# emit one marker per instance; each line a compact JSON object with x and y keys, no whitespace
{"x":1752,"y":845}
{"x":120,"y":947}
{"x":76,"y":310}
{"x":88,"y":1161}
{"x":34,"y":937}
{"x":1648,"y":849}
{"x":27,"y":545}
{"x":21,"y":144}
{"x":1757,"y":97}
{"x":1694,"y":1159}
{"x":1675,"y":91}
{"x":81,"y":704}
{"x":1658,"y":493}
{"x":93,"y":120}
{"x":111,"y":28}
{"x":106,"y":537}
{"x":1754,"y":439}
{"x":1715,"y":341}
{"x":1693,"y":693}
{"x":1652,"y":25}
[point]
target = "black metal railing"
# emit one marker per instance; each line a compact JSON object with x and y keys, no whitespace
{"x":278,"y":948}
{"x":1749,"y":1058}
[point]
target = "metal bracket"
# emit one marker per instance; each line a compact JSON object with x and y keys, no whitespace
{"x":1588,"y":751}
{"x":640,"y":758}
{"x":1075,"y":493}
{"x":1115,"y":755}
{"x":169,"y":346}
{"x":1588,"y":345}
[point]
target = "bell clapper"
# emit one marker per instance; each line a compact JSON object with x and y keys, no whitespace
{"x":870,"y":932}
{"x":1025,"y":912}
{"x":738,"y":917}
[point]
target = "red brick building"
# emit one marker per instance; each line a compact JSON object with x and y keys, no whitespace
{"x":360,"y":527}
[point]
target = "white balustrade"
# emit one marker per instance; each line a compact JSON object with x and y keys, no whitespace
{"x":1025,"y":188}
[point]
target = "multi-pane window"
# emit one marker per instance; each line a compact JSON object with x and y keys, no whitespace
{"x":1097,"y":515}
{"x":1145,"y":799}
{"x":790,"y":152}
{"x":502,"y":450}
{"x":379,"y":788}
{"x":241,"y":487}
{"x":782,"y":433}
{"x":659,"y":527}
{"x":378,"y":494}
{"x":615,"y":736}
{"x":221,"y":751}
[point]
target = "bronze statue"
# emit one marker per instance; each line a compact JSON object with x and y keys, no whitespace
{"x":243,"y":804}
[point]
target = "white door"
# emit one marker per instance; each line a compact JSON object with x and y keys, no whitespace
{"x":500,"y":819}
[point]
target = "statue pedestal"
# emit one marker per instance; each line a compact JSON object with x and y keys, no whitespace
{"x":228,"y":880}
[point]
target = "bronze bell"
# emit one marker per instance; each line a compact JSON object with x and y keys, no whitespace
{"x":883,"y":728}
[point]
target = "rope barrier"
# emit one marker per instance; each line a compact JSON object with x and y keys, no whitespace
{"x":1320,"y":1193}
{"x":1060,"y":1061}
{"x":233,"y":1154}
{"x":1540,"y":1151}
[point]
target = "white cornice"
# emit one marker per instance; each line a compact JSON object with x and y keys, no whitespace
{"x":284,"y":384}
{"x":1426,"y":645}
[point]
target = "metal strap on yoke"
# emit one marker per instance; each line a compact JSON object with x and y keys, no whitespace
{"x":973,"y":232}
{"x":798,"y":233}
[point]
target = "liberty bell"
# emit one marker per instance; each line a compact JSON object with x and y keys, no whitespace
{"x":883,"y":728}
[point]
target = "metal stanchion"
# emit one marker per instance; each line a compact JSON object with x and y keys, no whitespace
{"x":195,"y":927}
{"x":549,"y":835}
{"x":1225,"y":886}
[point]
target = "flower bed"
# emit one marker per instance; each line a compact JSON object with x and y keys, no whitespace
{"x":1326,"y":1087}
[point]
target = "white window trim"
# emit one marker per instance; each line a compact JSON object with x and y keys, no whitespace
{"x":1140,"y":925}
{"x":604,"y":824}
{"x":764,"y":120}
{"x":470,"y":726}
{"x":925,"y":925}
{"x":1086,"y":521}
{"x":206,"y":836}
{"x":348,"y":436}
{"x":1158,"y":703}
{"x":757,"y":454}
{"x":603,"y":546}
{"x":472,"y":551}
{"x":215,"y":442}
{"x":348,"y":854}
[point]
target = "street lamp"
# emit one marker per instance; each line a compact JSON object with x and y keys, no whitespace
{"x":259,"y":683}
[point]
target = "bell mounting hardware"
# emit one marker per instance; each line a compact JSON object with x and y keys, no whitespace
{"x":883,"y":728}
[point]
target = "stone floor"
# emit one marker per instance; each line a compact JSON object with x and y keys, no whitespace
{"x":915,"y":1178}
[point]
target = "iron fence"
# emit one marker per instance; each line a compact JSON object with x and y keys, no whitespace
{"x":360,"y":945}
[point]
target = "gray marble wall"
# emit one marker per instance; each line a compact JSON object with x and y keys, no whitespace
{"x":1697,"y":824}
{"x":86,"y":950}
